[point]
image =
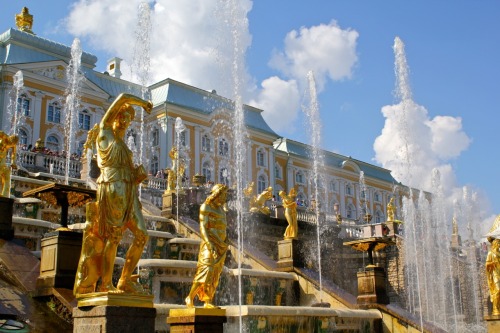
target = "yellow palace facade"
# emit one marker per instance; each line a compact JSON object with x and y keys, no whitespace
{"x":35,"y":109}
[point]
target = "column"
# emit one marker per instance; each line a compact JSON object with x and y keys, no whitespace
{"x":197,"y":150}
{"x":37,"y":114}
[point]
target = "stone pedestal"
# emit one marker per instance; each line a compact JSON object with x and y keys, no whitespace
{"x":492,"y":324}
{"x":288,"y":255}
{"x":371,"y":286}
{"x":111,"y":319}
{"x":59,"y":261}
{"x":196,"y":320}
{"x":6,"y":208}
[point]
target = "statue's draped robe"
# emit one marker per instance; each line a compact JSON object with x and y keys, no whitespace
{"x":210,"y":264}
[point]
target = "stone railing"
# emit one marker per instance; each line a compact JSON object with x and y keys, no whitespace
{"x":41,"y":162}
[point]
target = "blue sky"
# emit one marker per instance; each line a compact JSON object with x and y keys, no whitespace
{"x":452,"y":50}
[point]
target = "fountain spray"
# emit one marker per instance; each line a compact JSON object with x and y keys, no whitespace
{"x":74,"y":77}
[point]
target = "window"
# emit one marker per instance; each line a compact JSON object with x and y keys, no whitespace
{"x":261,"y":184}
{"x":348,"y":190}
{"x":223,"y":147}
{"x":260,"y":158}
{"x":277,"y":171}
{"x":182,"y":138}
{"x":224,"y":176}
{"x":363,"y":194}
{"x":206,"y":144}
{"x":206,"y":171}
{"x":333,"y":186}
{"x":23,"y":137}
{"x":53,"y":143}
{"x":84,"y":120}
{"x":299,"y":177}
{"x":156,"y":137}
{"x":23,"y":105}
{"x":350,"y":212}
{"x":379,"y":217}
{"x":376,"y":196}
{"x":54,"y":113}
{"x":153,"y":167}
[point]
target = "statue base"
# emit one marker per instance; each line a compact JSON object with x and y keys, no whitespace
{"x":197,"y":320}
{"x":6,"y":209}
{"x":111,"y":319}
{"x":288,"y":255}
{"x":59,"y":261}
{"x":492,"y":323}
{"x":114,"y":299}
{"x":371,"y":286}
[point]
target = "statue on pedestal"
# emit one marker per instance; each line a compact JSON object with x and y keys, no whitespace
{"x":391,"y":211}
{"x":176,"y":172}
{"x":7,"y":143}
{"x":118,"y":202}
{"x":493,"y":274}
{"x":213,"y":247}
{"x":290,"y":206}
{"x":257,"y":204}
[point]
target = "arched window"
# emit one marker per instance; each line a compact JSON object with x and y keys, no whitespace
{"x":84,"y":120}
{"x":376,"y":196}
{"x":206,"y":171}
{"x":224,"y":176}
{"x":53,"y":143}
{"x":23,"y":136}
{"x":23,"y":105}
{"x":206,"y":143}
{"x":261,"y":184}
{"x":379,"y":216}
{"x":54,"y":113}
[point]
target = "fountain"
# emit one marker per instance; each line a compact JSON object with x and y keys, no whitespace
{"x":438,"y":297}
{"x":314,"y":129}
{"x":73,"y":99}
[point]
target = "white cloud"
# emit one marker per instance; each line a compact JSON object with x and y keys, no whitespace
{"x":281,"y":103}
{"x":448,"y":139}
{"x":325,"y":49}
{"x":188,"y":41}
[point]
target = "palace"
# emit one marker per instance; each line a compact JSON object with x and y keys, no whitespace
{"x":273,"y":161}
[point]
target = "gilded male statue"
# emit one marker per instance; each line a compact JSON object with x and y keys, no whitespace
{"x":117,"y":197}
{"x":290,"y":206}
{"x":493,"y":274}
{"x":7,"y":143}
{"x":213,"y":247}
{"x":391,"y":211}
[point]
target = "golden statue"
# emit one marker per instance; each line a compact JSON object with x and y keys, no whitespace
{"x":290,"y":206}
{"x":7,"y":143}
{"x":248,"y":191}
{"x":493,"y":274}
{"x":119,"y":206}
{"x":391,"y":211}
{"x":213,"y":247}
{"x":257,"y":204}
{"x":90,"y":264}
{"x":24,"y":20}
{"x":177,"y":170}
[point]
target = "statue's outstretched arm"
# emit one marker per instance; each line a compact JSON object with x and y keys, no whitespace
{"x":119,"y":102}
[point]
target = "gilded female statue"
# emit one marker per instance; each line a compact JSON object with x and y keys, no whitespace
{"x":119,"y":206}
{"x":213,"y":247}
{"x":493,"y":274}
{"x":7,"y":143}
{"x":290,"y":206}
{"x":391,"y":211}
